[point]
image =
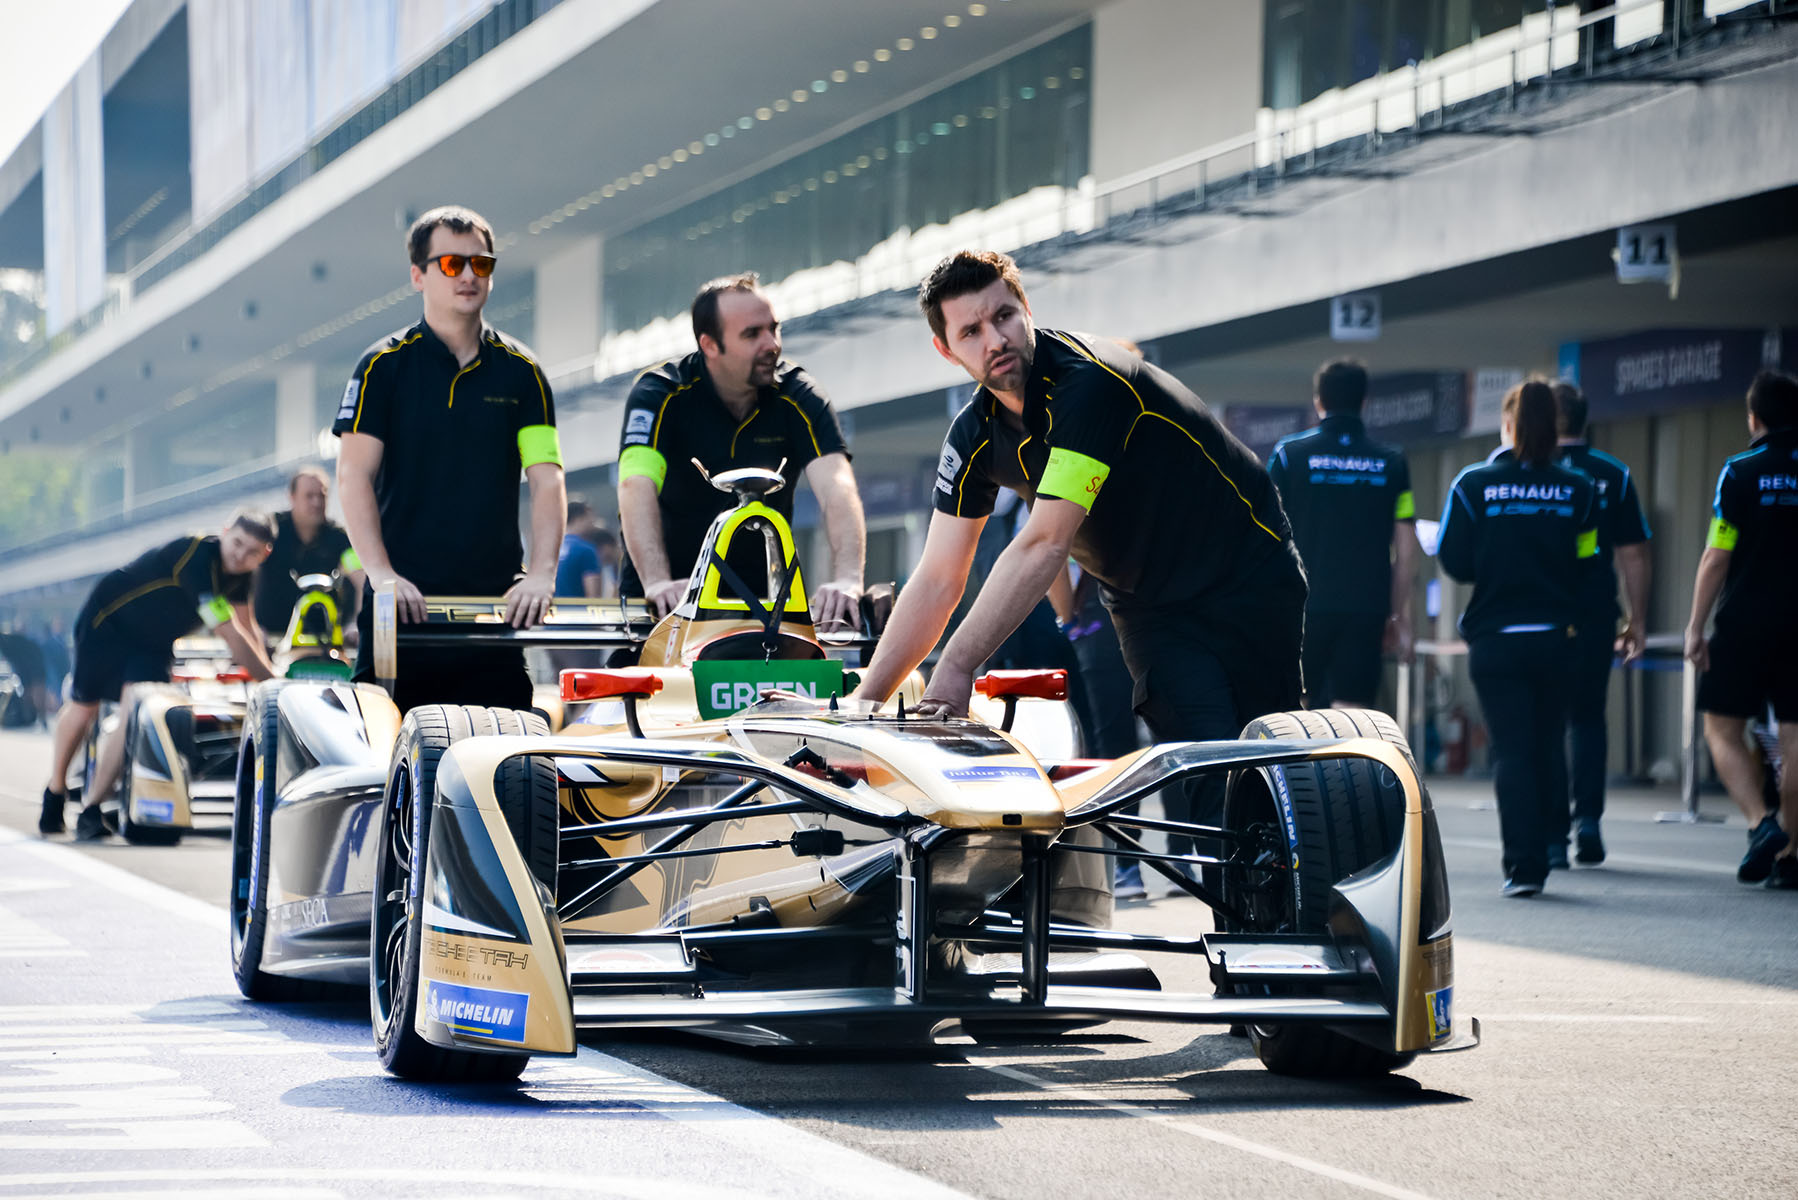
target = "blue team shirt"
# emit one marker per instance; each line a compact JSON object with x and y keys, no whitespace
{"x":579,"y":559}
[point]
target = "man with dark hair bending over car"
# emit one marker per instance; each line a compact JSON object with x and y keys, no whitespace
{"x":436,"y":424}
{"x":126,"y":634}
{"x":1127,"y":471}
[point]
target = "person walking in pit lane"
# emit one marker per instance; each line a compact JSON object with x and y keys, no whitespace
{"x":1518,"y":528}
{"x":1354,"y":521}
{"x":1751,"y":657}
{"x":1622,"y":550}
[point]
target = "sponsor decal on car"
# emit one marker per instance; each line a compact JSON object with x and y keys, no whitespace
{"x":988,"y":774}
{"x":468,"y":952}
{"x":724,"y":687}
{"x":480,"y":1012}
{"x":1292,"y":830}
{"x":160,"y":811}
{"x":1440,"y":1003}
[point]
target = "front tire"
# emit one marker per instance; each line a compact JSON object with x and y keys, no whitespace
{"x":527,"y":795}
{"x":1347,"y":815}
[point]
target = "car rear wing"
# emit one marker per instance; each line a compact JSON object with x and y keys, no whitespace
{"x":618,"y":624}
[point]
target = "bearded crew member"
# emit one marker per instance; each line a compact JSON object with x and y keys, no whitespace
{"x":1125,"y":470}
{"x":731,"y":403}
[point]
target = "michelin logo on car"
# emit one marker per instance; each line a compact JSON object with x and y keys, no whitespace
{"x":480,"y":1012}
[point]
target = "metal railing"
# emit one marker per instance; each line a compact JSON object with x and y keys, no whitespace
{"x":1659,"y":649}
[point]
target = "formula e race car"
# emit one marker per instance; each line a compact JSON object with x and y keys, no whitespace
{"x":714,"y":839}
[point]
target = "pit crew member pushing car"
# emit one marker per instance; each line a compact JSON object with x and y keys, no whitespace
{"x":1518,"y":528}
{"x":306,"y":543}
{"x":1751,"y":658}
{"x":126,"y":633}
{"x":731,"y":403}
{"x":1127,"y":471}
{"x":1354,"y":521}
{"x":436,"y":424}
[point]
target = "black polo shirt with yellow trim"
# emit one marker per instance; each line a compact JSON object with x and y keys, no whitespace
{"x":1179,"y":509}
{"x":455,"y":439}
{"x":674,"y":416}
{"x":290,"y":560}
{"x":164,"y":594}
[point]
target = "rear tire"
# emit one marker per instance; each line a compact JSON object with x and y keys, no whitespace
{"x":257,"y":794}
{"x":526,"y":790}
{"x":1347,"y":815}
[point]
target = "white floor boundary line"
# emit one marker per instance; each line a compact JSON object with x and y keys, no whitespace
{"x":806,"y":1154}
{"x":1194,"y":1129}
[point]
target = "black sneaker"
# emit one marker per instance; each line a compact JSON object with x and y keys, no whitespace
{"x":50,"y":820}
{"x":90,"y":826}
{"x":1765,"y":841}
{"x":1557,"y":856}
{"x":1588,"y":845}
{"x":1520,"y":889}
{"x":1784,"y":875}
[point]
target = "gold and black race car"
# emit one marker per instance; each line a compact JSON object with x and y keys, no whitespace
{"x":714,"y":839}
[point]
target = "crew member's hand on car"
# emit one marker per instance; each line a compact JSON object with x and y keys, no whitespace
{"x":837,"y":604}
{"x":664,"y":596}
{"x":408,"y":601}
{"x":528,"y":601}
{"x":948,"y":693}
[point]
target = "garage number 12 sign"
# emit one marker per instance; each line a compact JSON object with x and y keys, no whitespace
{"x":1355,"y":317}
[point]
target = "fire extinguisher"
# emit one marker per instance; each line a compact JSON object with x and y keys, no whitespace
{"x":1454,"y":740}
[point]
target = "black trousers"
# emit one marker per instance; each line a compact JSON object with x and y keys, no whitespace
{"x":1522,"y":683}
{"x":1588,"y":687}
{"x":1203,"y":669}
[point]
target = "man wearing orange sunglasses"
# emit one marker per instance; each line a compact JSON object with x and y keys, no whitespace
{"x":436,"y":424}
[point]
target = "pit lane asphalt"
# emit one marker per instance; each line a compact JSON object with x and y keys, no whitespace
{"x":1639,"y":1041}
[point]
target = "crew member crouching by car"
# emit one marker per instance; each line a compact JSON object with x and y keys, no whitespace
{"x":126,"y":634}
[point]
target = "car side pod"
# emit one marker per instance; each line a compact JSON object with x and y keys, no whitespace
{"x":492,"y":968}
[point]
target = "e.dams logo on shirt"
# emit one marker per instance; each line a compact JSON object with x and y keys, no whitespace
{"x":512,"y":400}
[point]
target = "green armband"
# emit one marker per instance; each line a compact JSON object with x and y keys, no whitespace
{"x":1588,"y":544}
{"x":350,"y":560}
{"x":1723,"y":535}
{"x":1406,"y":509}
{"x":641,"y":460}
{"x":1073,"y":476}
{"x":215,"y":611}
{"x":539,"y":444}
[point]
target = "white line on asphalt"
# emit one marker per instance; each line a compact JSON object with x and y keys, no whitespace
{"x":20,"y":938}
{"x":1626,"y":860}
{"x":1588,"y":1019}
{"x":457,"y":1182}
{"x":1193,"y":1129}
{"x":118,"y":879}
{"x":816,"y":1158}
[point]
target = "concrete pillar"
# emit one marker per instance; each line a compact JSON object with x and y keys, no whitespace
{"x":1170,"y":76}
{"x":569,"y":302}
{"x":296,"y":412}
{"x":74,"y":201}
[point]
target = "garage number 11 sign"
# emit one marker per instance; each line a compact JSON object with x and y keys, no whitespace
{"x":1647,"y":253}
